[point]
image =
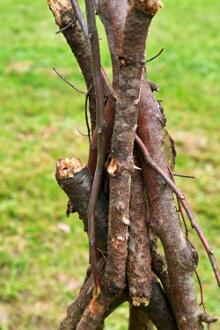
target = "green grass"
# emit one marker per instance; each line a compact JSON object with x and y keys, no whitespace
{"x":41,"y":266}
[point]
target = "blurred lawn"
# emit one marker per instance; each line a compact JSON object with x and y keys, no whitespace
{"x":41,"y":266}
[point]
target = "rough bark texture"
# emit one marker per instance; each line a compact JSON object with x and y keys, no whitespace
{"x":165,"y":220}
{"x":139,"y":272}
{"x":121,"y":155}
{"x":76,"y":181}
{"x":113,"y":14}
{"x":138,"y":321}
{"x":79,"y":45}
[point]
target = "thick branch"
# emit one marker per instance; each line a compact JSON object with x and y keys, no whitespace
{"x":65,"y":16}
{"x":132,"y":61}
{"x":137,"y":321}
{"x":185,"y":205}
{"x":165,"y":220}
{"x":70,"y":23}
{"x":113,"y":14}
{"x":76,"y":181}
{"x":139,"y":272}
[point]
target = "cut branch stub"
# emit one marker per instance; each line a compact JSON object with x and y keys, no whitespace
{"x":76,"y":181}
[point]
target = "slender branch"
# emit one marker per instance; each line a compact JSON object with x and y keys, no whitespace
{"x":86,"y":117}
{"x":155,"y":56}
{"x":79,"y":17}
{"x":184,"y":176}
{"x":100,"y":126}
{"x":66,"y":27}
{"x":68,"y":82}
{"x":185,"y":205}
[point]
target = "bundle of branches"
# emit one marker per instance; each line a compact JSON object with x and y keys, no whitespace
{"x":126,"y":195}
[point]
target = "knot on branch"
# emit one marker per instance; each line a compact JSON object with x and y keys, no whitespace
{"x":117,"y":167}
{"x":128,"y":61}
{"x":188,"y":260}
{"x":147,"y":6}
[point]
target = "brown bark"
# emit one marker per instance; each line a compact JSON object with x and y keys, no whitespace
{"x":121,"y":155}
{"x":165,"y":220}
{"x":138,"y":321}
{"x":79,"y":44}
{"x":75,"y":310}
{"x":113,"y":14}
{"x":76,"y":181}
{"x":139,"y":274}
{"x":64,"y":16}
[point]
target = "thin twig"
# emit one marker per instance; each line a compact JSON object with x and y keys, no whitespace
{"x":68,"y":82}
{"x":100,"y":126}
{"x":78,"y":131}
{"x":155,"y":56}
{"x":66,"y":27}
{"x":185,"y":205}
{"x":180,"y":208}
{"x":79,"y":16}
{"x":202,"y":303}
{"x":184,"y":176}
{"x":86,"y":117}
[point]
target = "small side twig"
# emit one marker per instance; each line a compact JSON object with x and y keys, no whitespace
{"x":202,"y":303}
{"x":86,"y":117}
{"x":185,"y":205}
{"x":155,"y":56}
{"x":66,"y":27}
{"x":68,"y":82}
{"x":184,"y":176}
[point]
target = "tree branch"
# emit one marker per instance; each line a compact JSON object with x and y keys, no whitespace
{"x":139,"y":274}
{"x":76,"y":181}
{"x":138,"y":321}
{"x":165,"y":219}
{"x":113,"y":14}
{"x":185,"y":205}
{"x":100,"y":126}
{"x":121,"y":156}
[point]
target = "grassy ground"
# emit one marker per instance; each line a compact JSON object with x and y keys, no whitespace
{"x":42,"y":262}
